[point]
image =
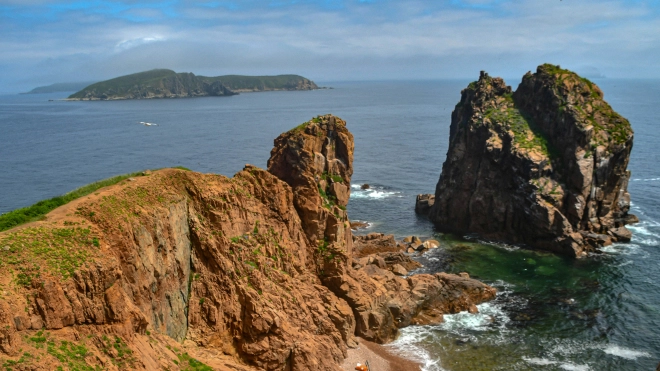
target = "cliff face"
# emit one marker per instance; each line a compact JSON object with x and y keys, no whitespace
{"x":316,"y":160}
{"x":543,"y":167}
{"x":242,"y":273}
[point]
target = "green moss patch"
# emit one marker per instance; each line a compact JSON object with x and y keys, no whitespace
{"x":58,"y":251}
{"x":526,"y":134}
{"x":188,"y":363}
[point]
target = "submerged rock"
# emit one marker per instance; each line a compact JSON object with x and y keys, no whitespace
{"x":544,"y":166}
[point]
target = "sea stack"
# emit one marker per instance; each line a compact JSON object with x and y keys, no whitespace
{"x":544,"y":167}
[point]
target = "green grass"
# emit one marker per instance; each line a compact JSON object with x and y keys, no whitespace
{"x":189,"y":363}
{"x":121,"y":85}
{"x":63,"y":250}
{"x":554,"y":69}
{"x":71,"y":355}
{"x":37,"y":211}
{"x":8,"y":365}
{"x":335,"y":178}
{"x":238,"y":82}
{"x":300,"y":128}
{"x":122,"y":356}
{"x":618,"y":128}
{"x":152,"y":80}
{"x":525,"y":133}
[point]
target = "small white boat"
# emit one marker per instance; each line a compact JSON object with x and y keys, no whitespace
{"x":148,"y":123}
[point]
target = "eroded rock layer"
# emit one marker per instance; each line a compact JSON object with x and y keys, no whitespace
{"x":544,"y":166}
{"x":174,"y":268}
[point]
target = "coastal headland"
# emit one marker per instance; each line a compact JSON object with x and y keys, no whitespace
{"x":179,"y":270}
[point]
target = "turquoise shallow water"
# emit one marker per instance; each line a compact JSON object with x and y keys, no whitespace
{"x":599,"y":313}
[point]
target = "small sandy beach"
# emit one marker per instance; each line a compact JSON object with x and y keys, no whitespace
{"x":379,"y":359}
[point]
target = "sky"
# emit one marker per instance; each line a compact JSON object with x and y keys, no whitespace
{"x":49,"y":41}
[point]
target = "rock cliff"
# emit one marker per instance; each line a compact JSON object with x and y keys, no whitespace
{"x":544,"y":166}
{"x":177,"y":269}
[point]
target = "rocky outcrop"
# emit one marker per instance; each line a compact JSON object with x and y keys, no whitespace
{"x":423,"y":203}
{"x":174,"y":268}
{"x":316,"y":160}
{"x":544,"y":166}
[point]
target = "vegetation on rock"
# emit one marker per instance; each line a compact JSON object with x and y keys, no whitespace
{"x":164,"y":83}
{"x":544,"y":166}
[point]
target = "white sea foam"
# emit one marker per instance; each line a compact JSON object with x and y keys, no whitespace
{"x":407,"y":346}
{"x":539,"y":361}
{"x":646,"y":180}
{"x":622,"y":352}
{"x":622,"y":249}
{"x":642,"y":229}
{"x":373,"y":193}
{"x":464,"y":323}
{"x":574,"y":367}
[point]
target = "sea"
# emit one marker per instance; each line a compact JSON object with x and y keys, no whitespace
{"x":551,"y":313}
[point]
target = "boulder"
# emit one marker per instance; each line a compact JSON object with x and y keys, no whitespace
{"x":399,"y":270}
{"x":431,"y":244}
{"x":622,"y":234}
{"x":423,"y":203}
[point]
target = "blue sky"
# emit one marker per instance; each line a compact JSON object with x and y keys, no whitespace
{"x":44,"y":41}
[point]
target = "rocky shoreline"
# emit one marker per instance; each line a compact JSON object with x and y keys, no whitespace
{"x":258,"y":271}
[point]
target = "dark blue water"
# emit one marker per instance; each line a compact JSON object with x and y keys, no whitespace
{"x":601,"y":313}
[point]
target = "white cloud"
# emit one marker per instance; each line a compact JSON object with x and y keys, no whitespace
{"x":132,"y":43}
{"x":378,"y":40}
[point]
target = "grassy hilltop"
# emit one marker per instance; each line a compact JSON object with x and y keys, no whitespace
{"x":164,"y":83}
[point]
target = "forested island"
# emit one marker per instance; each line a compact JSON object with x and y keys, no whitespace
{"x":164,"y":83}
{"x":58,"y":87}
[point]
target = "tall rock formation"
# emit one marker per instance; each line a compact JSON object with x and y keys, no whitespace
{"x":316,"y":160}
{"x":174,"y":268}
{"x":544,"y":166}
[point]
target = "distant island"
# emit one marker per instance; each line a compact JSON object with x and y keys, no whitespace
{"x":164,"y":83}
{"x":59,"y":87}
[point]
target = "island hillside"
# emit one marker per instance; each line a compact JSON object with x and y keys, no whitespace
{"x":59,"y":87}
{"x":178,"y":270}
{"x":543,"y":167}
{"x":163,"y":83}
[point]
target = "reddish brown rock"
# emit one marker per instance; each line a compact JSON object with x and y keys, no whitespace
{"x":243,"y":273}
{"x":310,"y":159}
